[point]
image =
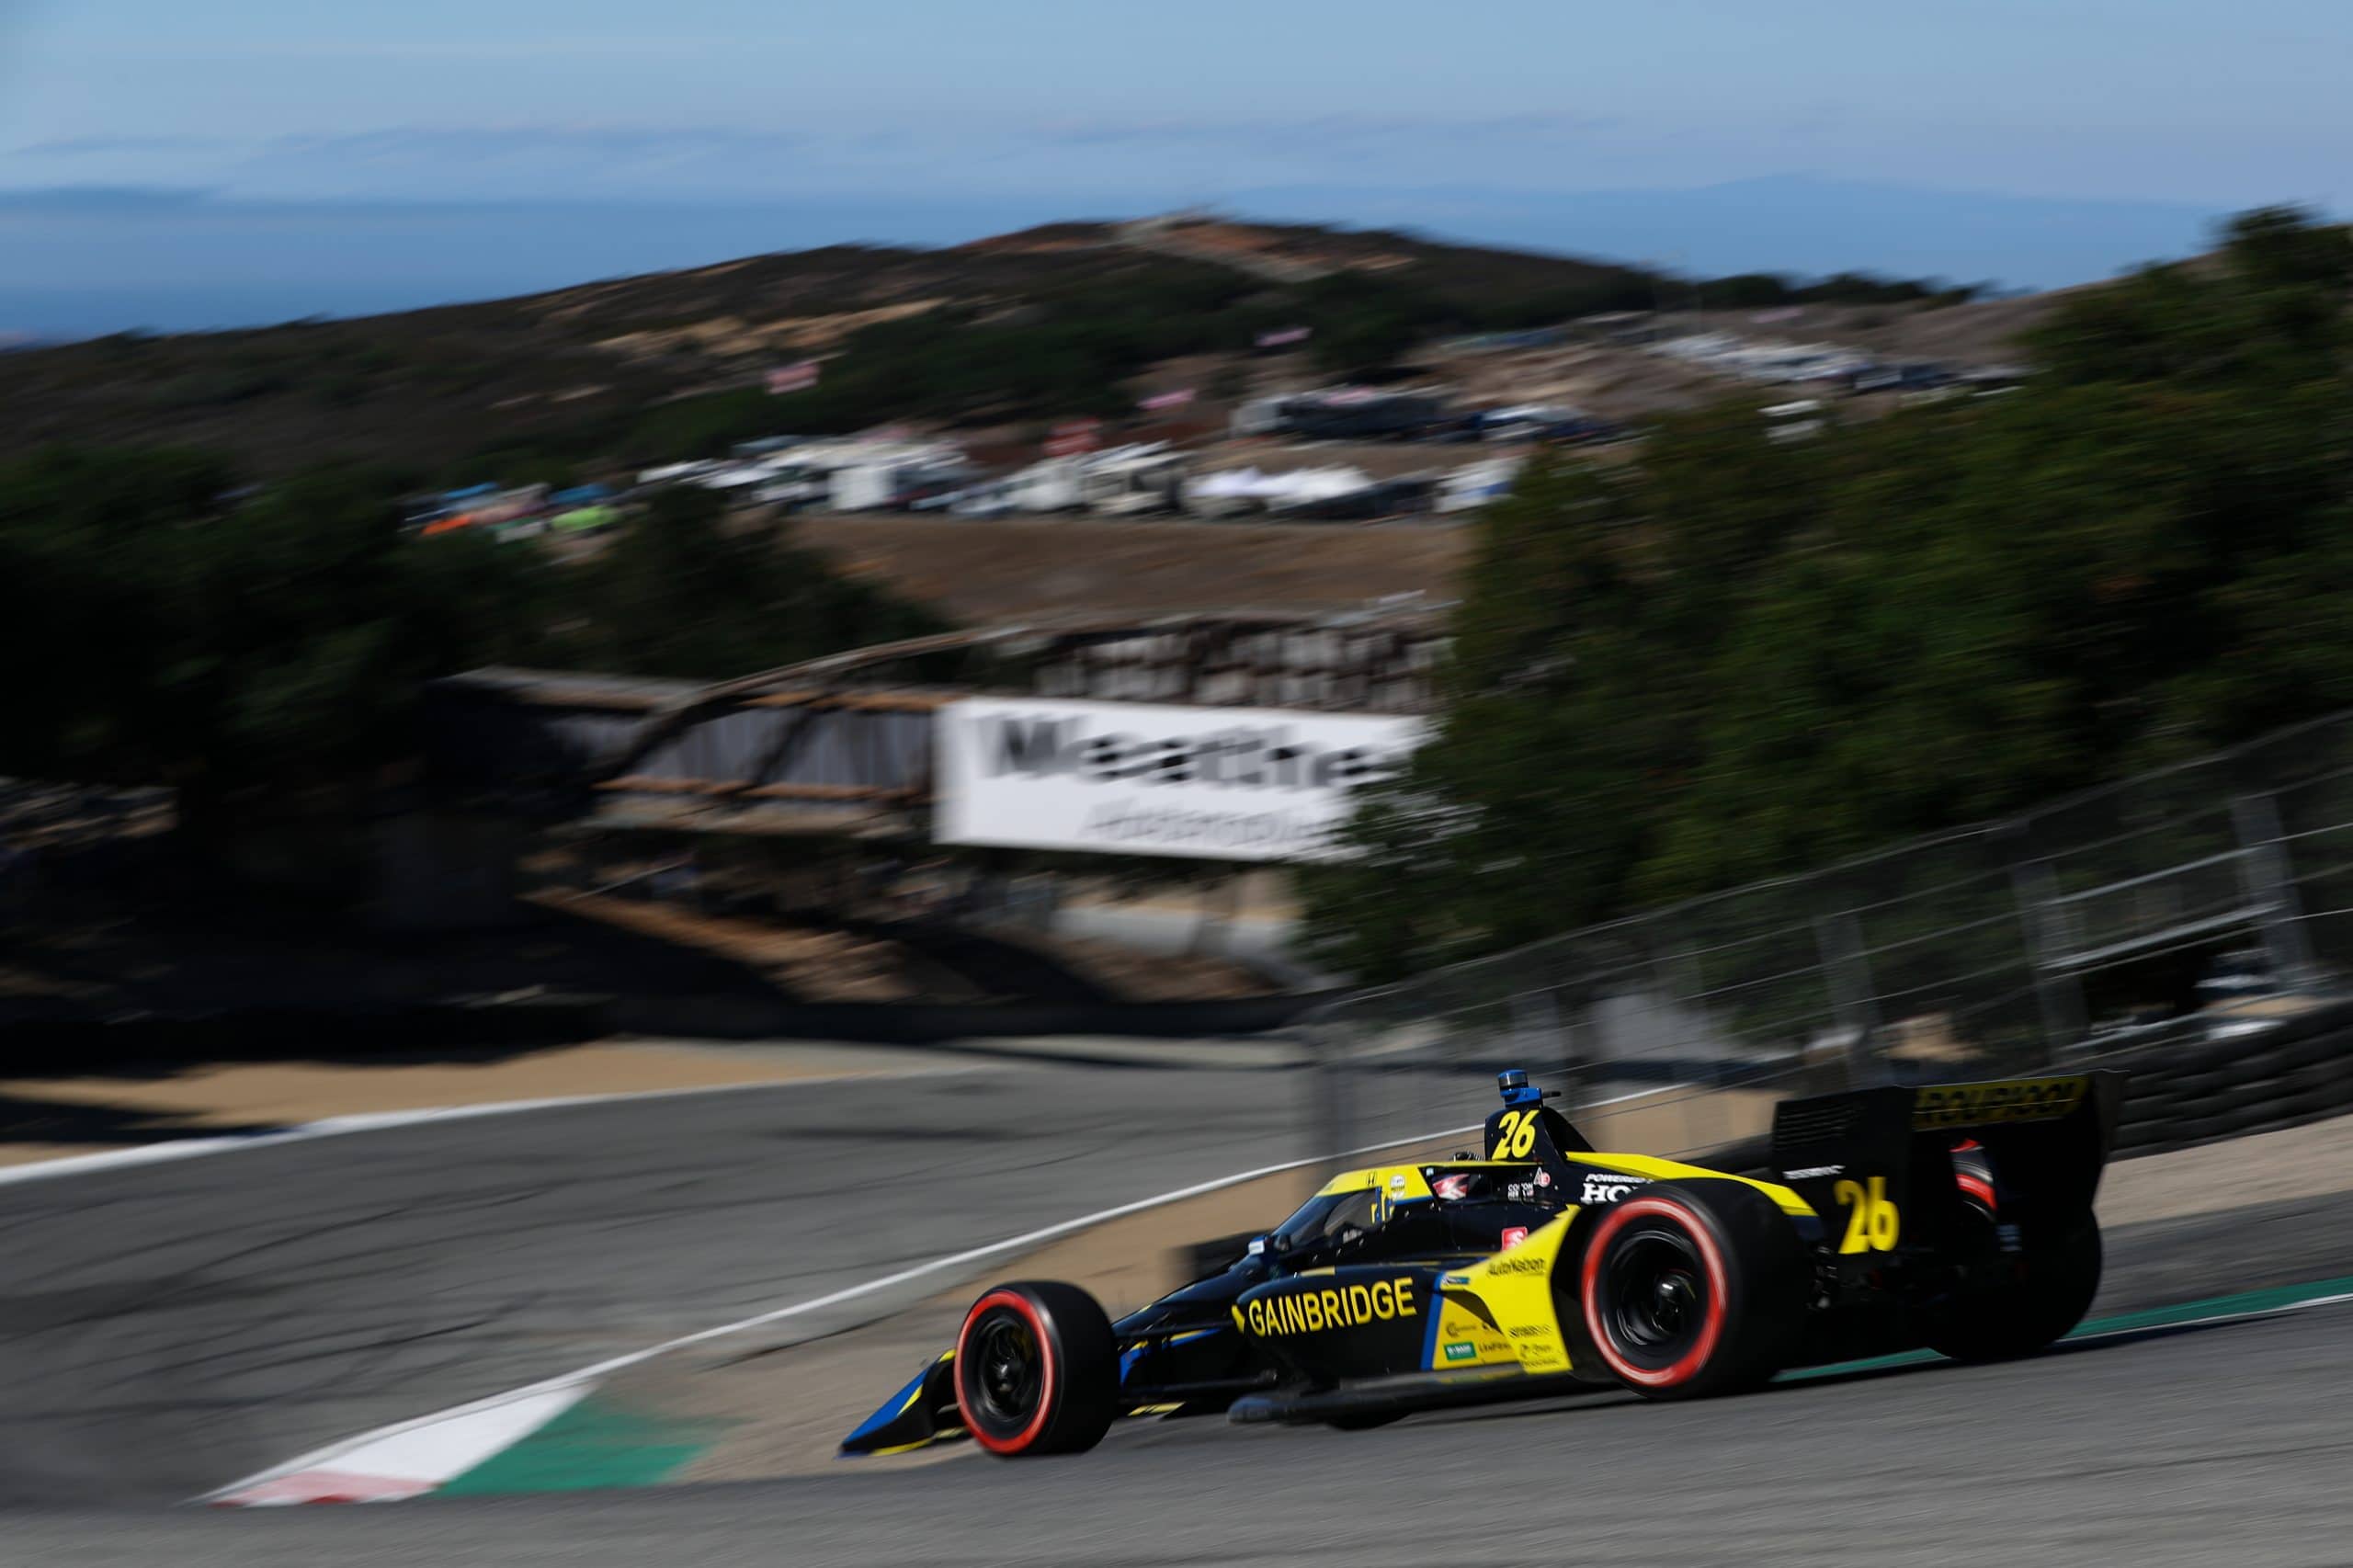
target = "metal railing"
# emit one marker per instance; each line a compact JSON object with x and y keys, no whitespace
{"x":2200,"y":901}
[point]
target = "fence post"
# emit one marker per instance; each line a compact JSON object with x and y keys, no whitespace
{"x":1839,"y":940}
{"x":1543,"y":1043}
{"x":2270,"y":884}
{"x":2059,"y":991}
{"x":1327,"y":1048}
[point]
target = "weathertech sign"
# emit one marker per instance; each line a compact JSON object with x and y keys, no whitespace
{"x":1981,"y":1105}
{"x":1131,"y":778}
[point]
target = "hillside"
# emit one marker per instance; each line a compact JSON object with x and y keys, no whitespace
{"x":1014,"y":570}
{"x":1009,"y":332}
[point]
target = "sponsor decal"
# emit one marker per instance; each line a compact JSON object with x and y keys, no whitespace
{"x":1514,"y":1236}
{"x":1510,"y":1265}
{"x":1527,"y":1331}
{"x":1460,"y":1350}
{"x":1812,"y":1171}
{"x":1543,"y":1178}
{"x":1609,"y":1186}
{"x":1342,"y":1306}
{"x":1454,"y":1280}
{"x":1978,"y":1104}
{"x":1451,"y":1186}
{"x":1397,"y":1182}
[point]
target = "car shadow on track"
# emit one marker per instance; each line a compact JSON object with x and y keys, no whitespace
{"x":2108,"y":1339}
{"x":1602,"y":1399}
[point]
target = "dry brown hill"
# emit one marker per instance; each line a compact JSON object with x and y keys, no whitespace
{"x":1007,"y":333}
{"x":571,"y":371}
{"x":1014,"y":570}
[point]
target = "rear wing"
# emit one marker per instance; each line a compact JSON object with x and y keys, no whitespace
{"x":1881,"y":1161}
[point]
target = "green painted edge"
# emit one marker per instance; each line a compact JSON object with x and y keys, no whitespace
{"x":597,"y":1443}
{"x":2247,"y":1303}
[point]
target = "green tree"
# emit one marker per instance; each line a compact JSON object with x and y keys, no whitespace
{"x":258,"y":649}
{"x":682,"y":592}
{"x":1736,"y":657}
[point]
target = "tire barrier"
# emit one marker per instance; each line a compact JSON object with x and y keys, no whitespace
{"x":2188,"y":1093}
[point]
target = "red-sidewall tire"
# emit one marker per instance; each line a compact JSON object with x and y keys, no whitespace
{"x":1733,"y":1267}
{"x":1062,"y":1392}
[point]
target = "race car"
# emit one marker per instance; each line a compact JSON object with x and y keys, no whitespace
{"x":1954,"y":1216}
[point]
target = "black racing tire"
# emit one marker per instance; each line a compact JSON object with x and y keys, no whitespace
{"x":2319,"y":1079}
{"x":1692,"y":1288}
{"x":1037,"y":1369}
{"x":2205,"y":1083}
{"x":2312,"y":1051}
{"x":2028,"y":1301}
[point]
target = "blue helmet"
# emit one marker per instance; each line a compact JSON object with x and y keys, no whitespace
{"x":1513,"y":1085}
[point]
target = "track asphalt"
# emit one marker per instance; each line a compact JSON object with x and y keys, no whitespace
{"x":167,"y":1329}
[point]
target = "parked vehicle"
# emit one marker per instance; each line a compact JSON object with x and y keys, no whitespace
{"x":1132,"y":481}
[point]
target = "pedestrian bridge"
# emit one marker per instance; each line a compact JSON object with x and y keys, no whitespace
{"x":842,"y":745}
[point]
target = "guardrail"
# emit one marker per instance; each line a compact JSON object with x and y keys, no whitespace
{"x":2194,"y":925}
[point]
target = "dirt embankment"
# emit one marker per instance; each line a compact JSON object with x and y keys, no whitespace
{"x":994,"y":574}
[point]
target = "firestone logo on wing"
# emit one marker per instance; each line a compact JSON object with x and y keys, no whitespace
{"x":1979,"y":1105}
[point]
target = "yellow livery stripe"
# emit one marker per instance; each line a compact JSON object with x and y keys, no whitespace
{"x":1788,"y":1202}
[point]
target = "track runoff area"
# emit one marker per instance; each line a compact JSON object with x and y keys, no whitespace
{"x":2223,"y":1301}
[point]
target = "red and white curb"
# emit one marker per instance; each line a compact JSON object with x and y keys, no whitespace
{"x":407,"y":1461}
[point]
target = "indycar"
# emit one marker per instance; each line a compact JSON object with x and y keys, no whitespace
{"x":1956,"y":1216}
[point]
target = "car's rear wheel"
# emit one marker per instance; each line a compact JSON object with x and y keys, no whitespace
{"x":2018,"y":1302}
{"x":1693,"y":1289}
{"x":1037,"y":1369}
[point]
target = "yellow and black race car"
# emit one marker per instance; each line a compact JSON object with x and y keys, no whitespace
{"x":1954,"y":1216}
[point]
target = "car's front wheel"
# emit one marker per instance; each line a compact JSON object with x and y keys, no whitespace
{"x":1037,"y":1369}
{"x":1692,"y":1289}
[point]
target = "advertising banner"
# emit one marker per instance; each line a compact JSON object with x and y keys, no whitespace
{"x":1136,"y":779}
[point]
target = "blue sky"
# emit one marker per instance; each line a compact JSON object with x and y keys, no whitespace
{"x":1048,"y":105}
{"x":2169,"y":99}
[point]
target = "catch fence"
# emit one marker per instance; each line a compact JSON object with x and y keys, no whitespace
{"x":2195,"y":905}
